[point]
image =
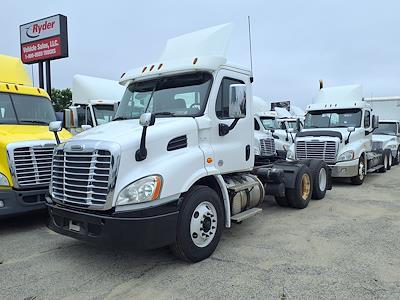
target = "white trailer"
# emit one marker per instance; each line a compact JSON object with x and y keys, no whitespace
{"x":94,"y":102}
{"x":338,"y":129}
{"x":177,"y":163}
{"x":387,"y":135}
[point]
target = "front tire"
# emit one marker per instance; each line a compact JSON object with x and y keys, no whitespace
{"x":200,"y":224}
{"x":359,"y":179}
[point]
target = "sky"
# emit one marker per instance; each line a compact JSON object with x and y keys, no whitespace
{"x":295,"y":43}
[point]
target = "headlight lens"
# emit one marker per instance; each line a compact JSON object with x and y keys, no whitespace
{"x":290,"y":155}
{"x":3,"y":180}
{"x":143,"y":190}
{"x":348,"y":155}
{"x":256,"y":150}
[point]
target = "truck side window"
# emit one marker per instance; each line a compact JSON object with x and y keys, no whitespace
{"x":367,"y":119}
{"x":222,"y":103}
{"x":256,"y":125}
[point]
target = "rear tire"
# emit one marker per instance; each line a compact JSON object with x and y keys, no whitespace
{"x":200,"y":224}
{"x":282,"y":201}
{"x":300,"y":196}
{"x":320,"y":175}
{"x":396,"y":160}
{"x":359,"y":179}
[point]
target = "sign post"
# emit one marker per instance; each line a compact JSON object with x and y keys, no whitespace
{"x":44,"y":40}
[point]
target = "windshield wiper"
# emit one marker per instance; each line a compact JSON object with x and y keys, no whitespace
{"x":34,"y":122}
{"x":120,"y":118}
{"x":164,"y":113}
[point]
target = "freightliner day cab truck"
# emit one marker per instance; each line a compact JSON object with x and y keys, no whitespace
{"x":338,"y":129}
{"x":387,"y":135}
{"x":26,"y":145}
{"x":177,"y":163}
{"x":94,"y":102}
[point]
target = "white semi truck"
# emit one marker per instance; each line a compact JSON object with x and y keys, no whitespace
{"x":94,"y":102}
{"x":338,"y":129}
{"x":177,"y":163}
{"x":387,"y":135}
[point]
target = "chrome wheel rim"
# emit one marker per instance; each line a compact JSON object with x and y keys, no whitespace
{"x":322,"y":179}
{"x":203,"y":224}
{"x":390,"y":160}
{"x":361,"y":170}
{"x":385,"y":162}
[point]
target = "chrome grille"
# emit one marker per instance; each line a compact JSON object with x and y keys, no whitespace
{"x":324,"y":150}
{"x":33,"y":165}
{"x":81,"y":178}
{"x":267,"y":147}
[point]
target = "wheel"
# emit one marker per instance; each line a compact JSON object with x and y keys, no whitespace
{"x":200,"y":224}
{"x":396,"y":160}
{"x":385,"y":162}
{"x":282,"y":201}
{"x":300,"y":196}
{"x":320,"y":175}
{"x":390,"y":159}
{"x":359,"y":179}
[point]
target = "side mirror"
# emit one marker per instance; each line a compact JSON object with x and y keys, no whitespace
{"x":375,"y":121}
{"x":351,"y":129}
{"x":55,"y":126}
{"x":147,"y":119}
{"x":71,"y":117}
{"x":237,"y":101}
{"x":86,"y":127}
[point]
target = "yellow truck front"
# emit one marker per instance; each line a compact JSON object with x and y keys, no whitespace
{"x":26,"y":145}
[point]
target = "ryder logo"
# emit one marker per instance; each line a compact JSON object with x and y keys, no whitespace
{"x":34,"y":30}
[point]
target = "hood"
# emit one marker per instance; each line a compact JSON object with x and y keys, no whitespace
{"x":17,"y":133}
{"x":383,"y":138}
{"x":127,"y":133}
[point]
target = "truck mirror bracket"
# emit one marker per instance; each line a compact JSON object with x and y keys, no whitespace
{"x":224,"y":129}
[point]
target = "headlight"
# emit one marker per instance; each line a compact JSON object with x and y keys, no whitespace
{"x":143,"y":190}
{"x":290,"y":155}
{"x":348,"y":155}
{"x":392,"y":146}
{"x":256,"y":150}
{"x":4,"y":180}
{"x":285,"y":147}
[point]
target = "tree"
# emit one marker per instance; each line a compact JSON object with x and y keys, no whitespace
{"x":61,"y":98}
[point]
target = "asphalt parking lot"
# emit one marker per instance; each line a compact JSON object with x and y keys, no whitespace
{"x":345,"y":246}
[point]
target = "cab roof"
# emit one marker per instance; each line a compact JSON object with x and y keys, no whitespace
{"x":15,"y":79}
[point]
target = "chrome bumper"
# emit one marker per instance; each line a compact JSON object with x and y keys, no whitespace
{"x":345,"y":169}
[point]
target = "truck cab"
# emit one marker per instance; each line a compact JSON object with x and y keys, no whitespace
{"x":26,"y":145}
{"x":338,"y":128}
{"x":387,"y":137}
{"x":176,"y":164}
{"x":94,"y":102}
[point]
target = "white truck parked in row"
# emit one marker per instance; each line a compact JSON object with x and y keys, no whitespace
{"x":94,"y":102}
{"x":177,"y":163}
{"x":338,"y":129}
{"x":387,"y":135}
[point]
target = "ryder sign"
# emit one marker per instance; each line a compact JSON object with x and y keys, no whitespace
{"x":44,"y":39}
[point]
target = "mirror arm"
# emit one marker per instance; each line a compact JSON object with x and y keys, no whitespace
{"x":57,"y":137}
{"x":141,"y":153}
{"x":291,"y":135}
{"x":348,"y":139}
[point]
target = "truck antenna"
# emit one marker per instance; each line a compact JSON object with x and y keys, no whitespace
{"x":251,"y":55}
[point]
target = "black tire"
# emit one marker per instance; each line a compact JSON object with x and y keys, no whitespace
{"x":359,"y":179}
{"x":320,"y":172}
{"x":385,"y":162}
{"x":390,"y":159}
{"x":184,"y":246}
{"x":396,"y":160}
{"x":282,"y":201}
{"x":300,"y":196}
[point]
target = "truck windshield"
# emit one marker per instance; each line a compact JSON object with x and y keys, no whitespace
{"x":333,"y":118}
{"x":181,"y":95}
{"x":269,"y":123}
{"x":103,"y":113}
{"x":25,"y":109}
{"x":386,"y":128}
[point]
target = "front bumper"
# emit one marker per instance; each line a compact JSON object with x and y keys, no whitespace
{"x":345,"y":168}
{"x":144,"y":229}
{"x":17,"y":202}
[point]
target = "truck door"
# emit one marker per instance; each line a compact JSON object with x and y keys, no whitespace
{"x":233,"y":151}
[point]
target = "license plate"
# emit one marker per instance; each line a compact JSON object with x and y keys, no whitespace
{"x":74,"y":226}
